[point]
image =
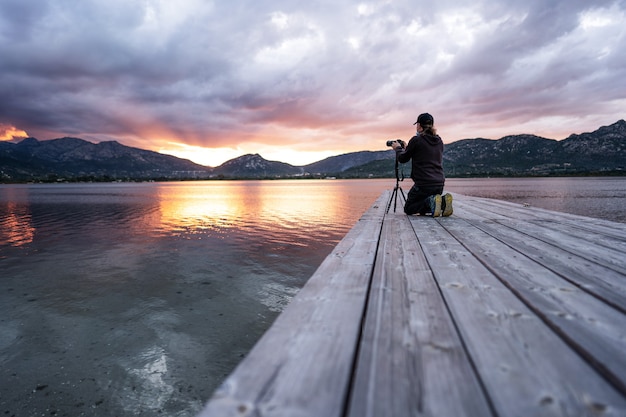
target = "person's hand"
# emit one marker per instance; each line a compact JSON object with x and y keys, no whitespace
{"x":396,"y":145}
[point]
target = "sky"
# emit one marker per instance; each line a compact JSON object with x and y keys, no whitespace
{"x":300,"y":81}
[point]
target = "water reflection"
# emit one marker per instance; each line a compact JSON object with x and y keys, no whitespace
{"x":279,"y":212}
{"x":142,"y":297}
{"x":183,"y":209}
{"x":16,"y":226}
{"x":139,"y":298}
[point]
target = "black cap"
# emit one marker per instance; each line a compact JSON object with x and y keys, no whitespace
{"x":425,"y":119}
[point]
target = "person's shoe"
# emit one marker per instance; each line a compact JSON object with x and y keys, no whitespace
{"x":435,"y":205}
{"x":447,"y":205}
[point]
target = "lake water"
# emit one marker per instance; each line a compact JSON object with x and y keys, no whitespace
{"x":138,"y":299}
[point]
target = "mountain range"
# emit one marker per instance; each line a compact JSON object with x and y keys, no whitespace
{"x":601,"y":152}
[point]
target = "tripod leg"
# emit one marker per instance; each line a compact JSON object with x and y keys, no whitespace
{"x":395,"y":200}
{"x":394,"y":196}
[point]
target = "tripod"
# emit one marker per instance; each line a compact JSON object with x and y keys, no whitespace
{"x":394,"y":194}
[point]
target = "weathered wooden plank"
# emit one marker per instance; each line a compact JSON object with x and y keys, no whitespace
{"x":526,"y":368}
{"x":477,"y":316}
{"x":598,"y":227}
{"x":302,"y":366}
{"x":596,"y":330}
{"x":583,"y":231}
{"x":411,"y":360}
{"x":604,"y":283}
{"x":597,"y":230}
{"x":590,"y":249}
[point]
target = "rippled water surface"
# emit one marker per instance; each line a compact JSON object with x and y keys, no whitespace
{"x":137,"y":299}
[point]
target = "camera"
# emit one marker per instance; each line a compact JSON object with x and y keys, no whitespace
{"x":400,"y":142}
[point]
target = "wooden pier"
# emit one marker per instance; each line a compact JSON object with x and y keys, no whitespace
{"x":498,"y":310}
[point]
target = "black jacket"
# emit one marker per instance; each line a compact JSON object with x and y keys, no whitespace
{"x":426,"y":153}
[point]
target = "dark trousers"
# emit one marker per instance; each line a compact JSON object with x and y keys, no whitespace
{"x":417,"y":199}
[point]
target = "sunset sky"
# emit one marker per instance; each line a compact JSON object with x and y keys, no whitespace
{"x":299,"y":81}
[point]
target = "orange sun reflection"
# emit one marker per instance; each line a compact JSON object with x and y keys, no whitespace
{"x":197,"y":206}
{"x":16,"y":227}
{"x":288,"y":212}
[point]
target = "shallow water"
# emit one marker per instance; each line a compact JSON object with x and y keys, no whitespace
{"x":138,"y":299}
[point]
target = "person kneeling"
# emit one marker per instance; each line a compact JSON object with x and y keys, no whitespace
{"x":425,"y":151}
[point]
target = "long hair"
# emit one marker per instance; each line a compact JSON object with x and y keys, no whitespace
{"x":429,"y":130}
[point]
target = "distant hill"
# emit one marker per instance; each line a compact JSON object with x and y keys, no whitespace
{"x":254,"y":166}
{"x":341,"y":163}
{"x":73,"y":158}
{"x":601,"y":152}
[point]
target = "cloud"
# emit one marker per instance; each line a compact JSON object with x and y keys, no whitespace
{"x":322,"y":76}
{"x":10,"y":133}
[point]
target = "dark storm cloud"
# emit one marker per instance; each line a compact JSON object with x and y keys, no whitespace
{"x":204,"y":72}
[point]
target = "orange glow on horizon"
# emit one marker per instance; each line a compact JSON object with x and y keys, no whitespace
{"x":214,"y":157}
{"x":210,"y":157}
{"x":303,"y":144}
{"x":295,"y":146}
{"x":11,"y":132}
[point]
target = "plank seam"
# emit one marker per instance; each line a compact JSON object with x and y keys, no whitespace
{"x":355,"y":359}
{"x":546,"y":265}
{"x":580,"y":254}
{"x":483,"y":387}
{"x":582,"y":352}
